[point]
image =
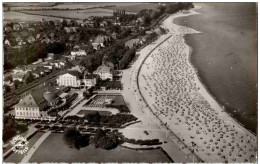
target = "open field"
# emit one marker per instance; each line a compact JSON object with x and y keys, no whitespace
{"x":60,"y":152}
{"x":78,"y":5}
{"x":14,"y":157}
{"x":86,"y":112}
{"x":134,"y":7}
{"x":80,"y":14}
{"x":56,"y":15}
{"x":21,"y":17}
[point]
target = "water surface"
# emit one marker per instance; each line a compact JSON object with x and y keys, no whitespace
{"x":225,"y":55}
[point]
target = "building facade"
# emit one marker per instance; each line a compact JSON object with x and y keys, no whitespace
{"x":105,"y":72}
{"x":69,"y":79}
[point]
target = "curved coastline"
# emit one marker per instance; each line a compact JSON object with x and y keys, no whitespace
{"x":206,"y":88}
{"x":203,"y":91}
{"x":236,"y":91}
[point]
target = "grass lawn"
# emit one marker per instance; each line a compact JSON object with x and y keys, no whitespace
{"x":118,"y":100}
{"x":14,"y":157}
{"x":86,"y":112}
{"x":53,"y":149}
{"x":134,"y":7}
{"x":20,"y":17}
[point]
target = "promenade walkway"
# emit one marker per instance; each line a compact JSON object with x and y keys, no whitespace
{"x":30,"y":153}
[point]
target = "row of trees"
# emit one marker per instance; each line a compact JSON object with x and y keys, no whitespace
{"x":104,"y":139}
{"x":149,"y":15}
{"x":111,"y":121}
{"x":127,"y":58}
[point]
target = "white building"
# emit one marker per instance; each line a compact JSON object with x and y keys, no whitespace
{"x":70,"y":78}
{"x":105,"y":72}
{"x":78,"y":53}
{"x":90,"y":80}
{"x":36,"y":105}
{"x":19,"y":76}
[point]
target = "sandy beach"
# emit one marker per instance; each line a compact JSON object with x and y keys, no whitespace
{"x":174,"y":92}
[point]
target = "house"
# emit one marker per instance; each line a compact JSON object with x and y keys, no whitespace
{"x":61,"y":62}
{"x":18,"y":76}
{"x":96,"y":46}
{"x":78,"y":52}
{"x":35,"y":74}
{"x":39,"y":71}
{"x":117,"y":23}
{"x":157,"y":31}
{"x":131,"y":43}
{"x":70,"y":29}
{"x":57,"y":22}
{"x":71,"y":37}
{"x":24,"y":25}
{"x":78,"y":68}
{"x":114,"y":35}
{"x":50,"y":56}
{"x":52,"y":35}
{"x":48,"y":66}
{"x":90,"y":24}
{"x":102,"y":40}
{"x":58,"y":63}
{"x":19,"y":40}
{"x":139,"y":20}
{"x":46,"y":40}
{"x":7,"y":42}
{"x":90,"y":80}
{"x":103,"y":24}
{"x":69,"y":78}
{"x":105,"y":72}
{"x":18,"y":69}
{"x":16,"y":27}
{"x":148,"y":32}
{"x":37,"y":62}
{"x":31,"y":39}
{"x":31,"y":29}
{"x":38,"y":36}
{"x":31,"y":67}
{"x":83,"y":24}
{"x":8,"y":29}
{"x":10,"y":84}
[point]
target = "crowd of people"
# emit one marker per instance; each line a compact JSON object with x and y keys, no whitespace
{"x":170,"y":83}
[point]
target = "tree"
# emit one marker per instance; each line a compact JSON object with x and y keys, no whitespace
{"x":74,"y":139}
{"x":155,"y":14}
{"x":7,"y":88}
{"x":29,"y":78}
{"x":147,"y":19}
{"x":70,"y":136}
{"x":105,"y":140}
{"x":64,"y":22}
{"x":161,"y":9}
{"x":93,"y":117}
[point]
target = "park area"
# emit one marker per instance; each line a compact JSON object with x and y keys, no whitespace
{"x":87,"y":112}
{"x":54,"y":149}
{"x":103,"y":100}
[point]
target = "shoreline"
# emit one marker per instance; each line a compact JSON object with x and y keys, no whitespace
{"x":211,"y":95}
{"x":203,"y":91}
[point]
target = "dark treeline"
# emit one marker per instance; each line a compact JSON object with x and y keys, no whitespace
{"x":149,"y":15}
{"x":30,"y":53}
